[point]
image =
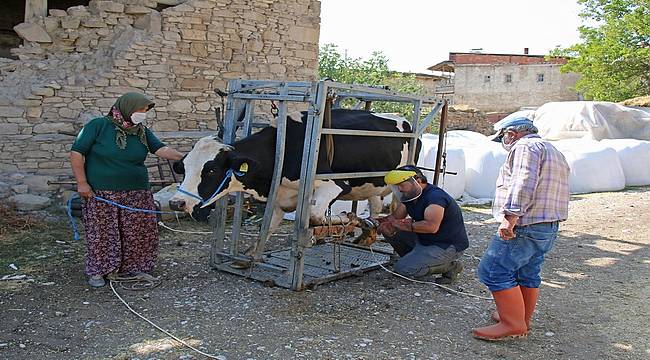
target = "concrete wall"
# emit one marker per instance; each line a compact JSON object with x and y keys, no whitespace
{"x":471,"y":87}
{"x":75,"y":63}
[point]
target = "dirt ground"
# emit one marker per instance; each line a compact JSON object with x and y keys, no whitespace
{"x":593,"y":304}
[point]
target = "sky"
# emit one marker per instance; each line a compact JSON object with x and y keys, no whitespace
{"x":415,"y":34}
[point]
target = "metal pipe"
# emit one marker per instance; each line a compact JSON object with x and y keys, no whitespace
{"x":354,"y":175}
{"x":441,"y":138}
{"x":365,"y":133}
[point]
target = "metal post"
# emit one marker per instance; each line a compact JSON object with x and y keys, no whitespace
{"x":239,"y":198}
{"x":280,"y":140}
{"x":441,"y":141}
{"x":414,"y":126}
{"x":310,"y":152}
{"x":221,"y":206}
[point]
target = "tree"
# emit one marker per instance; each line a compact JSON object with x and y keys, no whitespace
{"x":373,"y":71}
{"x":614,"y":57}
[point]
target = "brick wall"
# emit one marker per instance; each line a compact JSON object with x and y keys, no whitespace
{"x":476,"y":58}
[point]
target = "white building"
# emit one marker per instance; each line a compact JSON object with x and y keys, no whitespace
{"x":507,"y":82}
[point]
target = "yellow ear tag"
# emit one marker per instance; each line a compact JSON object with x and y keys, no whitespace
{"x":243,"y":167}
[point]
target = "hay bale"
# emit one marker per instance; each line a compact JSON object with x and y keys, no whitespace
{"x":643,"y":101}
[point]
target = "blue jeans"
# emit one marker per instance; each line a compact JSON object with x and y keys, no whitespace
{"x":508,"y":263}
{"x":416,"y":260}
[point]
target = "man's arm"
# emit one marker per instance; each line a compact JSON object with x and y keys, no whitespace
{"x":433,"y":215}
{"x":525,"y":167}
{"x":526,"y":162}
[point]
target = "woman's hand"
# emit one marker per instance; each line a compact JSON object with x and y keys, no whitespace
{"x":168,"y":153}
{"x":85,"y":191}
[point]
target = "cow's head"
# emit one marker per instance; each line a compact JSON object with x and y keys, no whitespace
{"x":206,"y":168}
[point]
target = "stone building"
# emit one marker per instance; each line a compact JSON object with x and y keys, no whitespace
{"x":507,"y":82}
{"x":74,"y":63}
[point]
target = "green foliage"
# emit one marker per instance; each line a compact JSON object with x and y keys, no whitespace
{"x":373,"y":71}
{"x":614,"y":57}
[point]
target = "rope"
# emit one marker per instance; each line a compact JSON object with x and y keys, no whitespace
{"x":203,"y":202}
{"x":132,"y":208}
{"x":427,"y":282}
{"x":159,"y":328}
{"x":162,"y":224}
{"x":137,"y":282}
{"x":75,"y":231}
{"x":73,"y":224}
{"x":327,"y":123}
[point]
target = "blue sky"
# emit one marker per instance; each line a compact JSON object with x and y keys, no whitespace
{"x":415,"y":34}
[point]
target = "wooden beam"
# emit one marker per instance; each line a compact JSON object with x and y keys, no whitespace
{"x":35,"y":8}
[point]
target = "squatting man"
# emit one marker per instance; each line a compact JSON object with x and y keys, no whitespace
{"x":433,"y":237}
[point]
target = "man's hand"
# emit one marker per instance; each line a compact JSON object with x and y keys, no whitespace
{"x":85,"y":191}
{"x":402,"y":224}
{"x":385,"y":219}
{"x":386,"y":229}
{"x":507,"y":227}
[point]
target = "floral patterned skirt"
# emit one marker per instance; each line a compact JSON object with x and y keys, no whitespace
{"x":118,"y":239}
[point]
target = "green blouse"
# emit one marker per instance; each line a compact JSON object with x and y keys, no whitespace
{"x":107,"y":166}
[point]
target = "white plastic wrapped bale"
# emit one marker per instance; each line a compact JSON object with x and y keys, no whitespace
{"x":635,"y":157}
{"x":482,"y":164}
{"x":453,"y":184}
{"x":594,"y":166}
{"x":463,"y":138}
{"x":595,"y":120}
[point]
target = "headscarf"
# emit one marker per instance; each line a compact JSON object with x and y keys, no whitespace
{"x":120,"y":116}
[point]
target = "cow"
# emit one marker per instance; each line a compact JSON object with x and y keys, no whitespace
{"x":247,"y":165}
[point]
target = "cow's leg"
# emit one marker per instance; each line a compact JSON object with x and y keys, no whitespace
{"x":375,"y":205}
{"x":276,"y":219}
{"x":324,"y":194}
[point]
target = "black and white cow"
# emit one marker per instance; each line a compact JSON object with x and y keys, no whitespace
{"x":206,"y":166}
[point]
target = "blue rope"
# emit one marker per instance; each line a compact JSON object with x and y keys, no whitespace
{"x":133,"y":209}
{"x":219,"y":188}
{"x":74,"y":224}
{"x":203,"y":202}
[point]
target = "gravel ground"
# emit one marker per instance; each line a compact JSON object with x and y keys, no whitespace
{"x":593,"y":304}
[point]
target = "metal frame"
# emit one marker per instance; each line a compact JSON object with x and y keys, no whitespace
{"x":287,"y":268}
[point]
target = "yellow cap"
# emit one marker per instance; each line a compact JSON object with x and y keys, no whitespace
{"x":395,"y":177}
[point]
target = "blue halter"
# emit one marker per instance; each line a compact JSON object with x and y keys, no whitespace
{"x":219,"y":188}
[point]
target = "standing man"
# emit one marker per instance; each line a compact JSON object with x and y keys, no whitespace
{"x":432,"y":239}
{"x":532,"y":197}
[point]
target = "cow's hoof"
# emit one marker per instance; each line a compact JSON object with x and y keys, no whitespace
{"x":317,"y":220}
{"x":368,"y":233}
{"x":240,"y":264}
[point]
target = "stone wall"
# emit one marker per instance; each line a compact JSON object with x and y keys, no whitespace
{"x":75,"y":63}
{"x":462,"y":118}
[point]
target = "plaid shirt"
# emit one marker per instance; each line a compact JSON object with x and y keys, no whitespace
{"x":533,"y":183}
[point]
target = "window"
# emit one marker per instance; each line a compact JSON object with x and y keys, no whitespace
{"x":508,"y":78}
{"x":486,"y":79}
{"x":540,"y":77}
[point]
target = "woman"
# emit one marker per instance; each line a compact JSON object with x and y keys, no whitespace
{"x":107,"y":159}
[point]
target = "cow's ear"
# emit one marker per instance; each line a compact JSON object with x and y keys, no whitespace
{"x":244,"y":166}
{"x":178,"y":166}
